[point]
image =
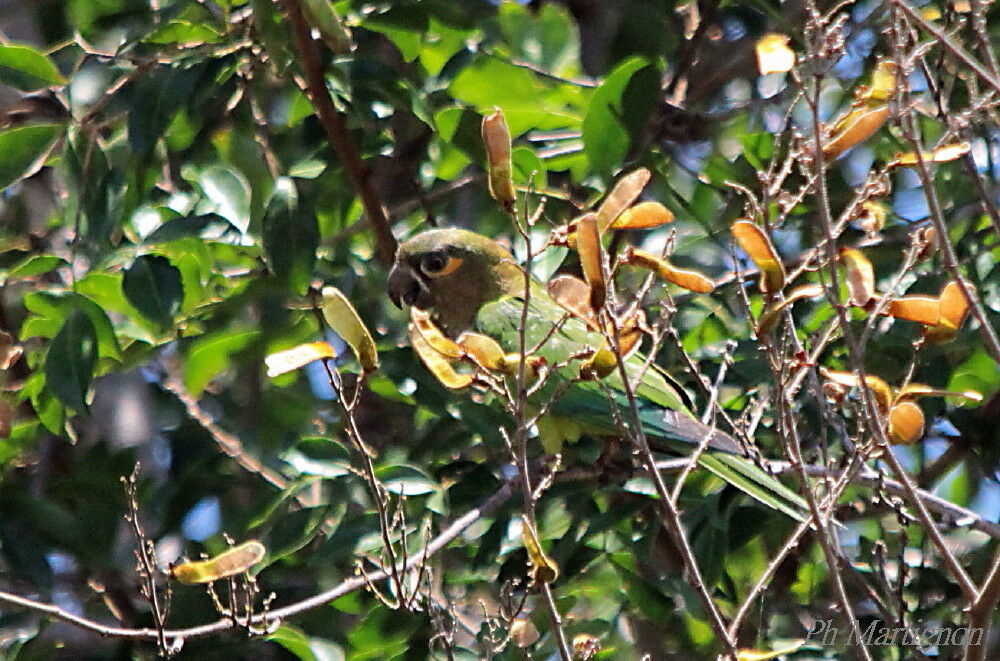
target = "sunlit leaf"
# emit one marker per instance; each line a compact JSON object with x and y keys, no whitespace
{"x":27,"y":69}
{"x":292,"y":359}
{"x":757,"y":245}
{"x":345,"y":322}
{"x":234,"y":561}
{"x":773,"y":54}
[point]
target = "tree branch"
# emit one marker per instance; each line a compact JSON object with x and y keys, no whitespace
{"x":336,"y":132}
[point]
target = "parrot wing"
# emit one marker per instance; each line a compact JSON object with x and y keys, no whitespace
{"x":663,"y":411}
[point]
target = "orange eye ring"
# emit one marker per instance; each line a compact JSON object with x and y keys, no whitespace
{"x":437,"y":265}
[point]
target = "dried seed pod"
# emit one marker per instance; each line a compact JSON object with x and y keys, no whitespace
{"x":234,"y":561}
{"x":643,"y":216}
{"x":773,"y":54}
{"x":686,"y":278}
{"x":345,"y":322}
{"x":436,"y":363}
{"x":591,"y":259}
{"x":860,"y":277}
{"x":496,"y":140}
{"x":757,"y":245}
{"x":621,"y":197}
{"x":856,"y":127}
{"x":292,"y":359}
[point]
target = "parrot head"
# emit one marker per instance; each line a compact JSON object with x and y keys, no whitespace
{"x":452,"y":273}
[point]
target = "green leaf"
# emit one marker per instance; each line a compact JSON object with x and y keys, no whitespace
{"x":23,"y":150}
{"x":51,"y":309}
{"x":35,"y":265}
{"x":322,"y":16}
{"x":69,"y":364}
{"x":210,"y":355}
{"x":605,"y":139}
{"x":26,"y":69}
{"x":294,"y":641}
{"x":153,"y":286}
{"x":183,"y":33}
{"x":290,"y":237}
{"x":406,"y":480}
{"x":230,"y":192}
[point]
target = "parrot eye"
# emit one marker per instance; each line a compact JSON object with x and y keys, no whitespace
{"x":439,"y":263}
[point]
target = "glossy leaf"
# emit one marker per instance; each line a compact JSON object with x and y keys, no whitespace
{"x":23,"y":150}
{"x":290,"y":237}
{"x":27,"y":69}
{"x":153,"y":286}
{"x":70,"y":361}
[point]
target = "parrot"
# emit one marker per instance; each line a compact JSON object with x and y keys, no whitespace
{"x":468,"y":282}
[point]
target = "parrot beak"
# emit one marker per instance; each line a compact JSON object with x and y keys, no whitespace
{"x":405,"y":287}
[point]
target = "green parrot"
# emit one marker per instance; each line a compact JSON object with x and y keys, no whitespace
{"x":468,"y":282}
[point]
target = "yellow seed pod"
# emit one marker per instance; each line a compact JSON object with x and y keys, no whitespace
{"x":280,"y":362}
{"x":621,"y":197}
{"x":588,"y":245}
{"x":906,"y":423}
{"x":234,"y":561}
{"x":436,"y":363}
{"x":643,"y":216}
{"x":921,"y":309}
{"x":856,"y":127}
{"x":757,"y":245}
{"x":433,"y":336}
{"x":541,"y":567}
{"x":345,"y":322}
{"x":686,"y":278}
{"x":483,"y":350}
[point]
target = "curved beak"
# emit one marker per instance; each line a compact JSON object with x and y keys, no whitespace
{"x":404,"y":286}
